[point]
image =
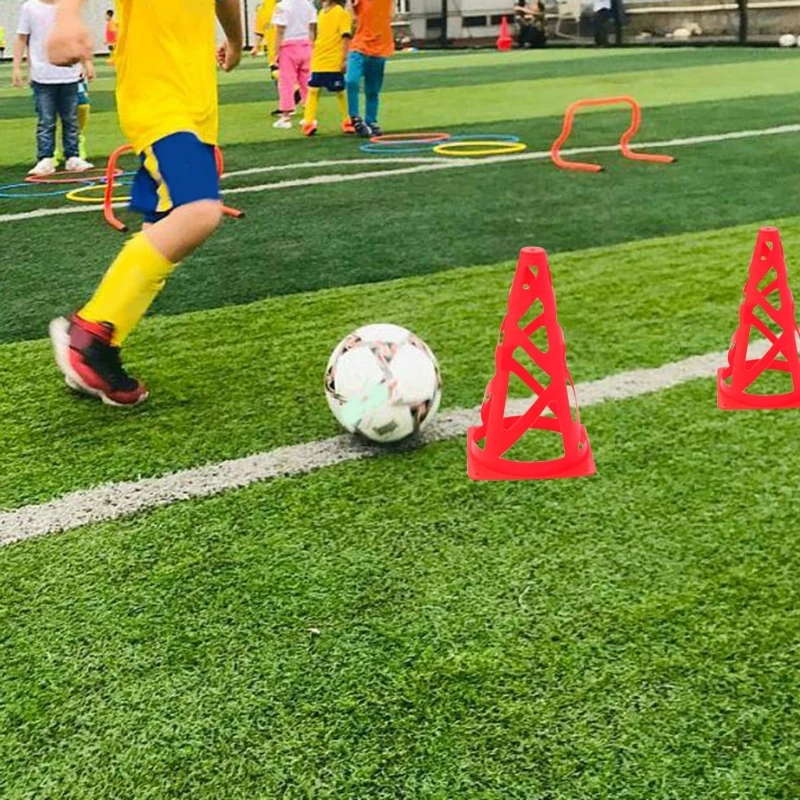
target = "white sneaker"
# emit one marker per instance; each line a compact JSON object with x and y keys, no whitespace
{"x":46,"y":166}
{"x":282,"y":124}
{"x":76,"y":164}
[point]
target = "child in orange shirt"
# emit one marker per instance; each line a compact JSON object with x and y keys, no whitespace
{"x":372,"y":44}
{"x":111,"y":33}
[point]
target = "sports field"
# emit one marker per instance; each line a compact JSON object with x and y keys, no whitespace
{"x":257,"y":607}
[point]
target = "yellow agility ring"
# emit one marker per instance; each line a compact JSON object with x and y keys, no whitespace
{"x":478,"y":148}
{"x":80,"y":196}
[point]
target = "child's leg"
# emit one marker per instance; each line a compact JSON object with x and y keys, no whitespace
{"x":287,"y":77}
{"x":83,"y":121}
{"x":178,"y":190}
{"x":341,"y":102}
{"x":355,"y":71}
{"x":58,"y":139}
{"x":373,"y":83}
{"x":67,"y":100}
{"x":303,"y":70}
{"x":312,"y":103}
{"x":44,"y":96}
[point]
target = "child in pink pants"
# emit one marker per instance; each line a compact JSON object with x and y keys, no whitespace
{"x":295,"y":23}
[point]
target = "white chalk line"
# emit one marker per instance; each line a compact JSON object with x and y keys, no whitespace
{"x":113,"y":501}
{"x":420,"y":166}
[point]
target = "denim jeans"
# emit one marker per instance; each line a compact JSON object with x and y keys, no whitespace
{"x":370,"y":69}
{"x":56,"y":100}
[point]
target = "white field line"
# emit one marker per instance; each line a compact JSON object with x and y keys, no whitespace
{"x":342,"y":162}
{"x":116,"y":500}
{"x":429,"y":165}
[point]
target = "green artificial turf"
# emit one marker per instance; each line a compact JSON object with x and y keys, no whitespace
{"x":309,"y":238}
{"x":255,"y":86}
{"x":390,"y":630}
{"x":484,"y":103}
{"x":234,"y":381}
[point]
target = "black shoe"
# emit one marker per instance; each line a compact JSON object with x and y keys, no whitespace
{"x":376,"y":129}
{"x":360,"y":128}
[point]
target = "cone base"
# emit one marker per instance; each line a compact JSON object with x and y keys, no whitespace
{"x":735,"y":400}
{"x":481,"y":467}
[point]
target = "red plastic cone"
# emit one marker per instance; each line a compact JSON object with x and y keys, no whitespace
{"x":504,"y":40}
{"x":767,"y":271}
{"x":532,"y":284}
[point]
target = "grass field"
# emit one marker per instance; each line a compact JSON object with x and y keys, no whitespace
{"x":384,"y":628}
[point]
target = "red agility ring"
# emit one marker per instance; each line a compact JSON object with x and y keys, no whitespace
{"x":410,"y":138}
{"x":74,"y":177}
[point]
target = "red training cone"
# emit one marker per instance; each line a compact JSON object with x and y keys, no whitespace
{"x":504,"y":40}
{"x":767,"y":277}
{"x":532,"y":285}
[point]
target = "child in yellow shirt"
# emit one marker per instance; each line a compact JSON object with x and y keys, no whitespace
{"x":168,"y":110}
{"x":334,"y":30}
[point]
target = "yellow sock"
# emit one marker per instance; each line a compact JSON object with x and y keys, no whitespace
{"x":129,"y":287}
{"x":312,"y":103}
{"x":83,"y":117}
{"x":341,"y":101}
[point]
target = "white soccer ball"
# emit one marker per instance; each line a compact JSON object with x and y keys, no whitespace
{"x":787,"y":40}
{"x":383,"y":382}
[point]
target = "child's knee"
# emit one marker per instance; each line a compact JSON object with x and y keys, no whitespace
{"x":206,"y":216}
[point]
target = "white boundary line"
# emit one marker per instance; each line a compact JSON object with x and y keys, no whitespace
{"x":427,"y":165}
{"x":113,"y":501}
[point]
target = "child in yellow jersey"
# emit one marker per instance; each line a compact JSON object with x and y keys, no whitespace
{"x":167,"y":103}
{"x":334,"y":30}
{"x":265,"y":35}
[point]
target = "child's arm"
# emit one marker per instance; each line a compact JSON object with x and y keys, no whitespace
{"x":345,"y":50}
{"x":229,"y":14}
{"x":279,"y":31}
{"x":88,"y":69}
{"x":20,"y":45}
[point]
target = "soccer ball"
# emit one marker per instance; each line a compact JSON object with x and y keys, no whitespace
{"x":787,"y":40}
{"x":383,"y":382}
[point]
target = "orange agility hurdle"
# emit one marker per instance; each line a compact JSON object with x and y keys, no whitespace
{"x":111,"y":172}
{"x":624,"y":142}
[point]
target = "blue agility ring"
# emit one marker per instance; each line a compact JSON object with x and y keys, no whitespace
{"x":388,"y":149}
{"x":11,"y":195}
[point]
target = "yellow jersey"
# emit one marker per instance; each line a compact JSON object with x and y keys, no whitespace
{"x":265,"y":28}
{"x":166,"y":70}
{"x":333,"y":25}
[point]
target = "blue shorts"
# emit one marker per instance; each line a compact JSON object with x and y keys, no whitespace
{"x":176,"y":170}
{"x":332,"y":81}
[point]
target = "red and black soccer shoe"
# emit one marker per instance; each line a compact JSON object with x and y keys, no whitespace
{"x":91,"y":364}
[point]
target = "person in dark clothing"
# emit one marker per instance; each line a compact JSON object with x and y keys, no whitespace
{"x":531,"y":25}
{"x":605,"y":12}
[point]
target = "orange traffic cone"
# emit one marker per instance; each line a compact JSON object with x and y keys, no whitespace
{"x":776,"y":323}
{"x":504,"y":40}
{"x":532,"y":285}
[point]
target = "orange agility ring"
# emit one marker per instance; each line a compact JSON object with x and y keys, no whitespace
{"x":109,"y":199}
{"x":410,"y":138}
{"x":624,"y":142}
